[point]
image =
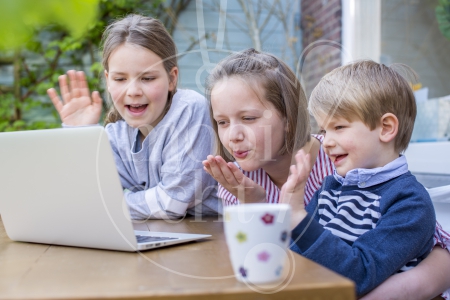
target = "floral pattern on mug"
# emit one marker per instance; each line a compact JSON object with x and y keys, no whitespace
{"x":241,"y":237}
{"x":284,"y":236}
{"x":267,"y":218}
{"x":243,"y":271}
{"x":263,"y":256}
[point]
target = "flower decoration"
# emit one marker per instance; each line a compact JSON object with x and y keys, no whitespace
{"x":278,"y":271}
{"x":284,"y":236}
{"x":241,"y":237}
{"x":243,"y":271}
{"x":268,"y":218}
{"x":263,"y":256}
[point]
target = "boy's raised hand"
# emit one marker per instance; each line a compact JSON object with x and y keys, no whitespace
{"x":232,"y":179}
{"x":77,"y":107}
{"x":293,"y":191}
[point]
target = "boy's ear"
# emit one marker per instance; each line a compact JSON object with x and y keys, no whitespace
{"x":173,"y":78}
{"x":389,"y":127}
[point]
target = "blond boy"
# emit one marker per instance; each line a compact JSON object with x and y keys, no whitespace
{"x":372,"y":218}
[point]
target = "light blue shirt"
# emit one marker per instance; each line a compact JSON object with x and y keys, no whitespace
{"x":364,"y":178}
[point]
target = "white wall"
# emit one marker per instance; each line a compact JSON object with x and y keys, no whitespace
{"x":361,"y":30}
{"x":433,"y":157}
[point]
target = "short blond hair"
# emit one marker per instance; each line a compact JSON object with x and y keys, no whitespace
{"x":367,"y":90}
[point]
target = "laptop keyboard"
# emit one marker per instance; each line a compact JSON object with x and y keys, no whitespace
{"x":147,"y":239}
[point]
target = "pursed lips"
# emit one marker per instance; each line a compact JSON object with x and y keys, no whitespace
{"x":240,"y":153}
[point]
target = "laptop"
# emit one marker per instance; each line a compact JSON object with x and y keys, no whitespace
{"x":61,"y":186}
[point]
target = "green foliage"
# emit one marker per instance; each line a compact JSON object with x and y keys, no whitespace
{"x":18,"y":18}
{"x":51,"y":49}
{"x":443,"y":17}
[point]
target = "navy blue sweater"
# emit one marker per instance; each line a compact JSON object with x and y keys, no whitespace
{"x":367,"y":234}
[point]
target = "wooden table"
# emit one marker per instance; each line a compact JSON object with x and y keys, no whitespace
{"x":197,"y":270}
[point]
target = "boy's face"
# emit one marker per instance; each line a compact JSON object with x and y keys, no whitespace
{"x":351,"y":144}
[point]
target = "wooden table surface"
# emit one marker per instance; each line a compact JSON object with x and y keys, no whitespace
{"x":197,"y":270}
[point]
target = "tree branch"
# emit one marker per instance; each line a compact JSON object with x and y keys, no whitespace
{"x":269,"y":15}
{"x":251,"y":23}
{"x":191,"y":46}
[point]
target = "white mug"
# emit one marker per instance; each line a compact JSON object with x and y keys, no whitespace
{"x":258,"y":236}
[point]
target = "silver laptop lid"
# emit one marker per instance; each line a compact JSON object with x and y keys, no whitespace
{"x":61,"y":186}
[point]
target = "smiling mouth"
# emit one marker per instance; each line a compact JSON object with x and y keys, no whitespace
{"x":338,"y":158}
{"x":136,"y":108}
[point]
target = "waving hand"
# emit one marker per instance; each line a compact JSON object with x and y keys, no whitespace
{"x":77,"y":107}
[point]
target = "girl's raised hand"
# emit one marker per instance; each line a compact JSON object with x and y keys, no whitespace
{"x":232,"y":179}
{"x":293,"y":191}
{"x":77,"y":107}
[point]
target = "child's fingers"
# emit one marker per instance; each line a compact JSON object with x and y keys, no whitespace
{"x":215,"y":170}
{"x":207,"y":167}
{"x":303,"y":165}
{"x":219,"y":159}
{"x":207,"y":170}
{"x":236,"y":172}
{"x":97,"y":101}
{"x":73,"y":84}
{"x":226,"y":172}
{"x":205,"y":164}
{"x":288,"y":188}
{"x":303,"y":158}
{"x":64,"y":88}
{"x":291,"y":182}
{"x":55,"y":99}
{"x":82,"y":84}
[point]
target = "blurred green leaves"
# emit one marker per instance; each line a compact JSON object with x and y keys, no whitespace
{"x":443,"y":17}
{"x":42,"y":39}
{"x":20,"y":18}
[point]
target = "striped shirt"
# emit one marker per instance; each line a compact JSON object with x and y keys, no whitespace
{"x":368,"y":233}
{"x":349,"y":215}
{"x":349,"y":212}
{"x":322,"y":168}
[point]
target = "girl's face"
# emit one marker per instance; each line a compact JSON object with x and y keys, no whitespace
{"x":139,"y":85}
{"x":249,"y":127}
